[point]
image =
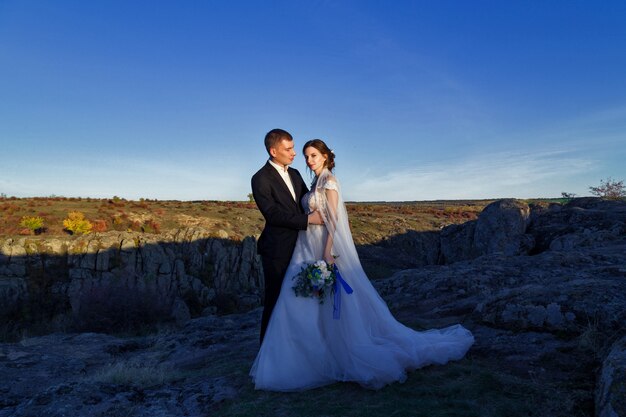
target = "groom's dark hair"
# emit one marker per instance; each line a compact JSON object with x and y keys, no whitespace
{"x":274,"y":136}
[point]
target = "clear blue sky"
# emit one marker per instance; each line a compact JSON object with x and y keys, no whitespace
{"x":419,"y":99}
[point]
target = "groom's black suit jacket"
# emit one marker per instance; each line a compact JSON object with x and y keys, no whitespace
{"x":284,"y":216}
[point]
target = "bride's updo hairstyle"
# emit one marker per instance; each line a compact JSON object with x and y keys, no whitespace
{"x":324,"y":150}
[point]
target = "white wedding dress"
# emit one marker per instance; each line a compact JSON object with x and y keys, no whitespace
{"x":305,"y":347}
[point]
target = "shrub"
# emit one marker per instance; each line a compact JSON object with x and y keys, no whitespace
{"x":33,"y":224}
{"x":117,"y":201}
{"x":99,"y":226}
{"x":118,"y":222}
{"x":10,"y":208}
{"x":76,"y":223}
{"x":151,"y":226}
{"x":135,"y":226}
{"x":609,"y":189}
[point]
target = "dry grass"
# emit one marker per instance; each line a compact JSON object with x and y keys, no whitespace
{"x":370,"y":222}
{"x":235,"y":218}
{"x":136,"y":374}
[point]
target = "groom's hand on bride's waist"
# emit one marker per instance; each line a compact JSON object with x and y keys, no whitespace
{"x":315,"y":218}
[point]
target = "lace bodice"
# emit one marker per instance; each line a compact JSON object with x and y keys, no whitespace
{"x":309,"y":201}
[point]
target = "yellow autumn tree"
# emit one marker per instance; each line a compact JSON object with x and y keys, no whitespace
{"x":34,"y":224}
{"x":77,"y":224}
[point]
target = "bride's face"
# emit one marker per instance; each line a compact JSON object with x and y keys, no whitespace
{"x":314,"y":159}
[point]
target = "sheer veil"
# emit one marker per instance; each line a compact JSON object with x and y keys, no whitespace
{"x":336,"y":222}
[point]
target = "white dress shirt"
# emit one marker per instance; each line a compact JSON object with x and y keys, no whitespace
{"x":285,"y":176}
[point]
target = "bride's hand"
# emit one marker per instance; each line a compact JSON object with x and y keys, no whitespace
{"x":329,"y":258}
{"x":315,"y":218}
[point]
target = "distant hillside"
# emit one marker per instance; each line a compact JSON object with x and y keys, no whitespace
{"x":370,"y":221}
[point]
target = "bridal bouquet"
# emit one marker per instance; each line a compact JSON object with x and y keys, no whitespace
{"x":315,"y":280}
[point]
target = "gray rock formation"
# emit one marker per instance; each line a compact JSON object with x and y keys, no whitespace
{"x":12,"y":291}
{"x":500,"y":228}
{"x":545,"y":319}
{"x":554,"y":314}
{"x":511,"y":227}
{"x":184,"y":263}
{"x":408,"y":250}
{"x":91,"y":374}
{"x":581,"y":222}
{"x":205,"y":271}
{"x":611,"y":390}
{"x":457,"y":242}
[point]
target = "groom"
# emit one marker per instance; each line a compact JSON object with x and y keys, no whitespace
{"x":277,"y":191}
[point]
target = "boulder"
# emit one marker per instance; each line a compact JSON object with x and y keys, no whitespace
{"x":456,"y":242}
{"x":499,"y":229}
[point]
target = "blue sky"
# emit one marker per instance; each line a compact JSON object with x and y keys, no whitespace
{"x":419,"y":99}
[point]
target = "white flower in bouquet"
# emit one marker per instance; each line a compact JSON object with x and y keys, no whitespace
{"x":314,"y":280}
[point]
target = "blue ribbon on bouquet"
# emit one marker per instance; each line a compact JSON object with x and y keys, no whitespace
{"x":337,"y":301}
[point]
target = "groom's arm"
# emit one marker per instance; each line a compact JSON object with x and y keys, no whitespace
{"x":274,"y":214}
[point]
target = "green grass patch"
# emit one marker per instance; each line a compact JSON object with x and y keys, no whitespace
{"x":471,"y":387}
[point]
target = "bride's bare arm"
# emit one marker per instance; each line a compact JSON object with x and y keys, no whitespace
{"x":333,"y":200}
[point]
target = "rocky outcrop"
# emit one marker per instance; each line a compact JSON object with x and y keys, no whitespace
{"x":581,"y":222}
{"x":91,"y":374}
{"x":551,"y":315}
{"x":500,"y":228}
{"x":555,"y":291}
{"x":611,"y":389}
{"x":217,"y":273}
{"x":512,"y":227}
{"x":184,"y":263}
{"x":543,"y":321}
{"x":411,"y":249}
{"x":457,"y":242}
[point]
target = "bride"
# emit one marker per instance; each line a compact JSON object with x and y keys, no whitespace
{"x":305,"y":347}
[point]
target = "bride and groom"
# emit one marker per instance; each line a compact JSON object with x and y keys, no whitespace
{"x":303,"y":344}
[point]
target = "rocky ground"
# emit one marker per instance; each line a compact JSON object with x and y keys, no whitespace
{"x":546,"y":305}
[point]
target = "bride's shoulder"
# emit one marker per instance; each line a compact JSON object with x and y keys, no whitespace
{"x":330,"y":182}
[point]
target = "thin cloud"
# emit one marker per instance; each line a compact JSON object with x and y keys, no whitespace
{"x":495,"y":175}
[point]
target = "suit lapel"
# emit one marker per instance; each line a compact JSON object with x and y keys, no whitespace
{"x":295,"y":181}
{"x":283,"y":187}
